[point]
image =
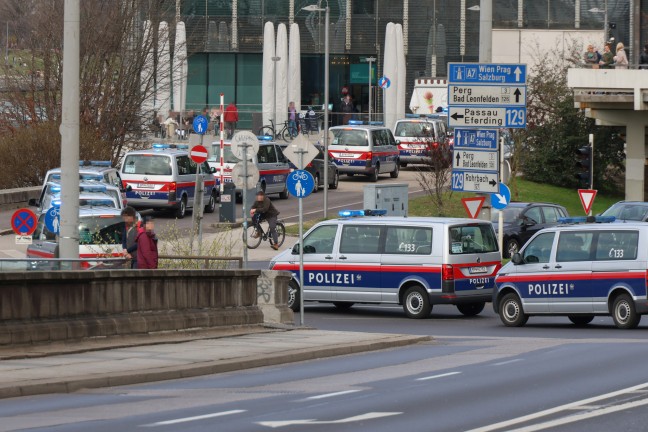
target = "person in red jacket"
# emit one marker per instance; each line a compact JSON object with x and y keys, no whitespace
{"x":230,"y":117}
{"x":147,"y":250}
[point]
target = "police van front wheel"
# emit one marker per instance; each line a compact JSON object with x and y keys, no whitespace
{"x":416,"y":303}
{"x":581,"y":320}
{"x":511,"y":312}
{"x":293,"y":296}
{"x":471,"y":309}
{"x":624,"y":314}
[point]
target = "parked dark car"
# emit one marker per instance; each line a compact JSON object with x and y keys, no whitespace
{"x":628,"y":211}
{"x":316,"y":168}
{"x":522,"y":220}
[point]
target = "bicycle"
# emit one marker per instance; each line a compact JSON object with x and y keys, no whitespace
{"x":256,"y":227}
{"x":287,"y":132}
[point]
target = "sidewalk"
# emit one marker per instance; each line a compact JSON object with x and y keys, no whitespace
{"x":68,"y":367}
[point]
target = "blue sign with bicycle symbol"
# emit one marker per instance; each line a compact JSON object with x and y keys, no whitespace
{"x":53,"y":219}
{"x":300,"y":183}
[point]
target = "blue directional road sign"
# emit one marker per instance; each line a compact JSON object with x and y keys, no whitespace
{"x":476,"y":139}
{"x":53,"y":219}
{"x":200,"y":125}
{"x":496,"y":117}
{"x":474,"y":181}
{"x":487,"y":73}
{"x":500,"y":200}
{"x":300,"y":183}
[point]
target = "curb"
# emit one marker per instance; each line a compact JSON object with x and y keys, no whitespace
{"x":47,"y":386}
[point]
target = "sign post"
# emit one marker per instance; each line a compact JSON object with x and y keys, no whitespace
{"x":199,"y":155}
{"x":370,"y":60}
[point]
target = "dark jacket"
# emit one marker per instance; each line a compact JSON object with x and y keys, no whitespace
{"x":265,"y":207}
{"x":129,"y":240}
{"x":608,"y":60}
{"x":643,"y":60}
{"x":147,"y":250}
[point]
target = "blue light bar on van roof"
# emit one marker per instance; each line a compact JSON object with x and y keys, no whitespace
{"x":422,"y":116}
{"x":264,"y":138}
{"x":586,"y":219}
{"x":357,"y":213}
{"x":92,"y":188}
{"x":55,"y":189}
{"x":56,"y":203}
{"x":158,"y":146}
{"x":94,"y":163}
{"x":355,"y":122}
{"x":85,"y":176}
{"x":376,"y":123}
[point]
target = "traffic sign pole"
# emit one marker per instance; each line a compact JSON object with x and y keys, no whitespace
{"x":500,"y":216}
{"x":301,"y":246}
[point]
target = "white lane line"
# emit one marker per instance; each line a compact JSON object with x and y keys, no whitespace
{"x":195,"y":418}
{"x":437,"y":376}
{"x":550,"y":411}
{"x":362,"y":417}
{"x":328,"y":395}
{"x":507,"y":362}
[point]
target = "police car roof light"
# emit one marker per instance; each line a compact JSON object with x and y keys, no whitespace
{"x":357,"y":213}
{"x":92,"y":188}
{"x":56,"y":189}
{"x":158,"y":146}
{"x":422,"y":116}
{"x":376,"y":123}
{"x":586,"y":219}
{"x":264,"y":138}
{"x":94,"y":163}
{"x":56,"y":203}
{"x":355,"y":122}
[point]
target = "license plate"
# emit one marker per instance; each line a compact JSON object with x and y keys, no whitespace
{"x":474,"y":270}
{"x":347,"y":155}
{"x":145,"y":186}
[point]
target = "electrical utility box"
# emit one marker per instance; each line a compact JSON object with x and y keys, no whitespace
{"x":391,"y":197}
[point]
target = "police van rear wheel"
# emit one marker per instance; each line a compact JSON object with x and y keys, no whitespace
{"x":581,"y":320}
{"x":471,"y":309}
{"x":211,"y":205}
{"x":374,"y":175}
{"x":336,"y":180}
{"x":293,"y":296}
{"x":181,"y":211}
{"x":394,"y":174}
{"x":511,"y":312}
{"x":284,"y":194}
{"x":416,"y":303}
{"x":624,"y":314}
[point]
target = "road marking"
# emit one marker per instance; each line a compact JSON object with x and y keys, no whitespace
{"x":368,"y":416}
{"x":507,"y":362}
{"x":585,"y":402}
{"x":437,"y":376}
{"x":328,"y":395}
{"x":195,"y":418}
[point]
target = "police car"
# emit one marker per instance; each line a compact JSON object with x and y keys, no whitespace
{"x":580,"y":270}
{"x":90,"y":170}
{"x":362,"y":149}
{"x":418,"y":136}
{"x":413,"y":262}
{"x":88,"y":190}
{"x":164,"y":178}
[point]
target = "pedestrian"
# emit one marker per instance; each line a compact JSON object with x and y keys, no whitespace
{"x":214,"y":117}
{"x":147,"y":250}
{"x":607,"y":59}
{"x":347,"y":109}
{"x":292,"y":119}
{"x":263,"y":209}
{"x":643,"y":58}
{"x":620,"y":59}
{"x":231,"y":117}
{"x":591,"y":57}
{"x":129,"y":235}
{"x":170,"y":124}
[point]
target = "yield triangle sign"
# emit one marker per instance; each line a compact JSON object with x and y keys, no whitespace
{"x":587,"y":198}
{"x":473,"y":205}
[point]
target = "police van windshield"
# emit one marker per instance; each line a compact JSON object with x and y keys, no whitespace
{"x":350,"y":137}
{"x":414,"y":129}
{"x":468,"y":239}
{"x":147,"y":164}
{"x":228,"y":156}
{"x":100,"y":230}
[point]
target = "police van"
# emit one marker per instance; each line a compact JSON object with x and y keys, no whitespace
{"x":273,"y":166}
{"x":580,"y":270}
{"x":164,"y":177}
{"x":91,"y":170}
{"x":419,"y":137}
{"x":51,"y":192}
{"x":362,"y":149}
{"x":414,"y":262}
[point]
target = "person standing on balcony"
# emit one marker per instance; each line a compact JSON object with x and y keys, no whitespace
{"x":643,"y":59}
{"x":607,"y":59}
{"x":620,"y":59}
{"x":231,"y":117}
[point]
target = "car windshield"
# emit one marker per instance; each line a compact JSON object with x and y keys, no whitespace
{"x":510,"y":214}
{"x":100,"y":230}
{"x":147,"y":164}
{"x":624,"y":211}
{"x":228,"y":156}
{"x":414,"y":129}
{"x":472,"y":238}
{"x":350,"y":137}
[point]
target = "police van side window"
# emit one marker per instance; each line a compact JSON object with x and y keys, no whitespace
{"x":539,"y":249}
{"x":363,"y":239}
{"x":617,"y":245}
{"x":408,"y":240}
{"x":185,"y":165}
{"x":574,"y":246}
{"x":321,"y":240}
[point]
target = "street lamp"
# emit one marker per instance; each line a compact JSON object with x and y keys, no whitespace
{"x":605,"y":20}
{"x":318,"y":8}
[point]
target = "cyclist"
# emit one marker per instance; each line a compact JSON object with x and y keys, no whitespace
{"x":263,"y":209}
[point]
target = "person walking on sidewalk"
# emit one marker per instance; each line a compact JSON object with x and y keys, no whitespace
{"x":147,"y":250}
{"x":129,"y":235}
{"x":263,"y":209}
{"x":230,"y":117}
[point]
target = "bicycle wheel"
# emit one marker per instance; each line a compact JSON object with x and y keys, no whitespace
{"x":267,"y":131}
{"x":281,"y":233}
{"x":253,"y":242}
{"x":286,"y":135}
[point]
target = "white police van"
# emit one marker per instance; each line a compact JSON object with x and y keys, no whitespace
{"x":164,"y":177}
{"x":419,"y":137}
{"x":362,"y":149}
{"x":90,"y":170}
{"x":415,"y":262}
{"x":580,"y":270}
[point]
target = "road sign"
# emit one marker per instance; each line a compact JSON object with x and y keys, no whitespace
{"x":486,"y":73}
{"x":489,"y":95}
{"x":500,"y":200}
{"x":239,"y":178}
{"x":474,"y":181}
{"x":473,"y":205}
{"x":24,"y":239}
{"x":244,"y":141}
{"x":53,"y":219}
{"x":497,"y":117}
{"x":300,"y":183}
{"x":384,"y":82}
{"x":23,"y":221}
{"x":480,"y":160}
{"x":199,"y":154}
{"x":587,"y":198}
{"x":300,"y":148}
{"x":200,"y":124}
{"x":478,"y":139}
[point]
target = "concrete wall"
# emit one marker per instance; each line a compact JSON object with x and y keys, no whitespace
{"x":16,"y":198}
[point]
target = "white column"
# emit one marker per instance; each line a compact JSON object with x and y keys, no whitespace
{"x":485,"y":31}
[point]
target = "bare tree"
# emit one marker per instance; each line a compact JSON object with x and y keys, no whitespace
{"x":434,"y":175}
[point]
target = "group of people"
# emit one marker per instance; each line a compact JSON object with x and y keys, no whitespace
{"x":610,"y":60}
{"x":171,"y":126}
{"x":139,"y":240}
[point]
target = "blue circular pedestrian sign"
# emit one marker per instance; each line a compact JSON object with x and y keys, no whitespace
{"x":500,"y":200}
{"x":53,"y":219}
{"x":384,"y":82}
{"x":300,"y":183}
{"x":200,"y":125}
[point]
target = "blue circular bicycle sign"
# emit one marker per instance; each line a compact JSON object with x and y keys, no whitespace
{"x":300,"y":183}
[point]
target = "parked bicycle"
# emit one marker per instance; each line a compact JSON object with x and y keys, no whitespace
{"x":253,"y":242}
{"x":287,"y":132}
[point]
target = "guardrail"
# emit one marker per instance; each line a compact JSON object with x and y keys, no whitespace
{"x":207,"y":260}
